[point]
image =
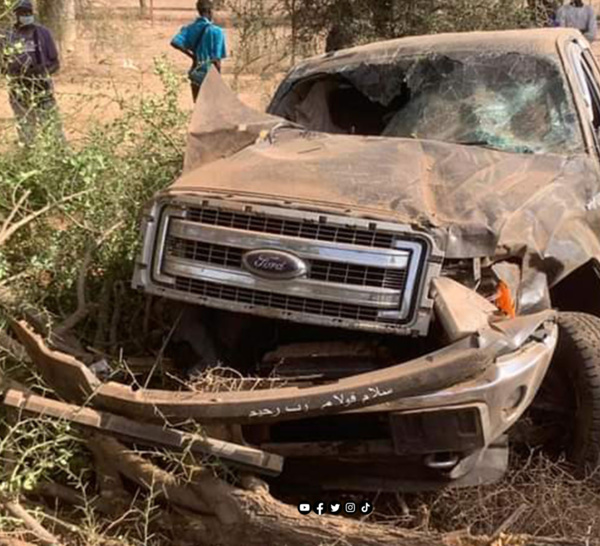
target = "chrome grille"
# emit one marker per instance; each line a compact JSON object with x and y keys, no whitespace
{"x":358,"y":274}
{"x":205,"y":253}
{"x":319,"y":270}
{"x":291,"y":227}
{"x":277,"y":301}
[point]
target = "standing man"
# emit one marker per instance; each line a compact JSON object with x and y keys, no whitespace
{"x":28,"y":56}
{"x":577,"y":15}
{"x":204,"y":43}
{"x":340,"y":36}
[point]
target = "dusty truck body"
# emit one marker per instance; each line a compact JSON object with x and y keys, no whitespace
{"x":400,"y":238}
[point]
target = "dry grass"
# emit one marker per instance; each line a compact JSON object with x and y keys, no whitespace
{"x":548,"y":500}
{"x":222,"y":379}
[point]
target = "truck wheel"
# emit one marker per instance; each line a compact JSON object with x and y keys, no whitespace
{"x":570,"y":394}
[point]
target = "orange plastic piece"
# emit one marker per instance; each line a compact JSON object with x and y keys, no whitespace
{"x":504,"y":300}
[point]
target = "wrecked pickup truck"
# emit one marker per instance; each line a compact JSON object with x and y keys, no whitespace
{"x":401,"y":237}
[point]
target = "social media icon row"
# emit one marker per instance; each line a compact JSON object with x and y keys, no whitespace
{"x":334,"y":508}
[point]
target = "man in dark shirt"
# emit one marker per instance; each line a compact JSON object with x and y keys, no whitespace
{"x":28,"y":57}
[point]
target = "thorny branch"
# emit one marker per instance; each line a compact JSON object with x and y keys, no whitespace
{"x":82,"y":307}
{"x":9,"y":229}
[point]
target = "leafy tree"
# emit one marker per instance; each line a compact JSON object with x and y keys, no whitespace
{"x":359,"y":21}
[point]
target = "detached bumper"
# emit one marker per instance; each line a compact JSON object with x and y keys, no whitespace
{"x":444,"y":415}
{"x":498,"y":371}
{"x":76,"y":383}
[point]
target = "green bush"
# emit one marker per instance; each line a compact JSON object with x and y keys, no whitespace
{"x":111,"y":172}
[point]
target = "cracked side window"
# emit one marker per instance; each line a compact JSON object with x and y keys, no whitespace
{"x":585,"y":72}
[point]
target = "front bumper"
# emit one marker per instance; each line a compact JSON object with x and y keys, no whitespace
{"x":493,"y":374}
{"x":76,"y":383}
{"x":498,"y":371}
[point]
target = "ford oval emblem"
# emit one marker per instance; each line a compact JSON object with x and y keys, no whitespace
{"x":274,"y":264}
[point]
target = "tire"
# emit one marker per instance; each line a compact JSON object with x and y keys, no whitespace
{"x":573,"y":383}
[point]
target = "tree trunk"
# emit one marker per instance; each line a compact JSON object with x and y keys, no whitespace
{"x":218,"y":514}
{"x":222,"y":515}
{"x":59,"y":15}
{"x":69,"y":34}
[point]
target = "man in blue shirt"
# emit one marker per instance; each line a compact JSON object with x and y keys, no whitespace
{"x":204,"y":43}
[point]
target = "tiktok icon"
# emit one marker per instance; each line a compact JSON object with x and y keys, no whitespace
{"x":366,"y":508}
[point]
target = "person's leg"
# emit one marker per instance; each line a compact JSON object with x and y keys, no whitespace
{"x":48,"y":117}
{"x":195,"y":90}
{"x":24,"y":114}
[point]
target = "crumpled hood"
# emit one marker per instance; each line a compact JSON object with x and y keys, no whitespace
{"x":476,"y":201}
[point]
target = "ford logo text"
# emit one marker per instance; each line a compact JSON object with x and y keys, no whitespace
{"x":274,"y":264}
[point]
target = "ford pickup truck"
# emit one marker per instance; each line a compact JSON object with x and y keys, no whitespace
{"x":408,"y":242}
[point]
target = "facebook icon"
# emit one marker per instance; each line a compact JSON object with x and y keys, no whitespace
{"x":320,"y":508}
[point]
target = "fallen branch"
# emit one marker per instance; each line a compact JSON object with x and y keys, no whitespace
{"x":16,"y":510}
{"x":508,"y":523}
{"x":230,"y":516}
{"x":10,"y":541}
{"x":110,"y":485}
{"x":146,"y":475}
{"x":59,"y":492}
{"x":13,"y":348}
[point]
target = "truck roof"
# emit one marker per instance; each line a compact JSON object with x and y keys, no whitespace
{"x":543,"y":41}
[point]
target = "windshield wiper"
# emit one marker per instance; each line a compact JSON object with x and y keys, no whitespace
{"x":474,"y":143}
{"x":520,"y":149}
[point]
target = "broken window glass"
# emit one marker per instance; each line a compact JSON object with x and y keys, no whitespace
{"x":507,"y":101}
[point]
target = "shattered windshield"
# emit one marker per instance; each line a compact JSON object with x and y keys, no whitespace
{"x":506,"y":101}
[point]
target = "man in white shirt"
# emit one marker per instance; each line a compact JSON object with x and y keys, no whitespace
{"x":579,"y":16}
